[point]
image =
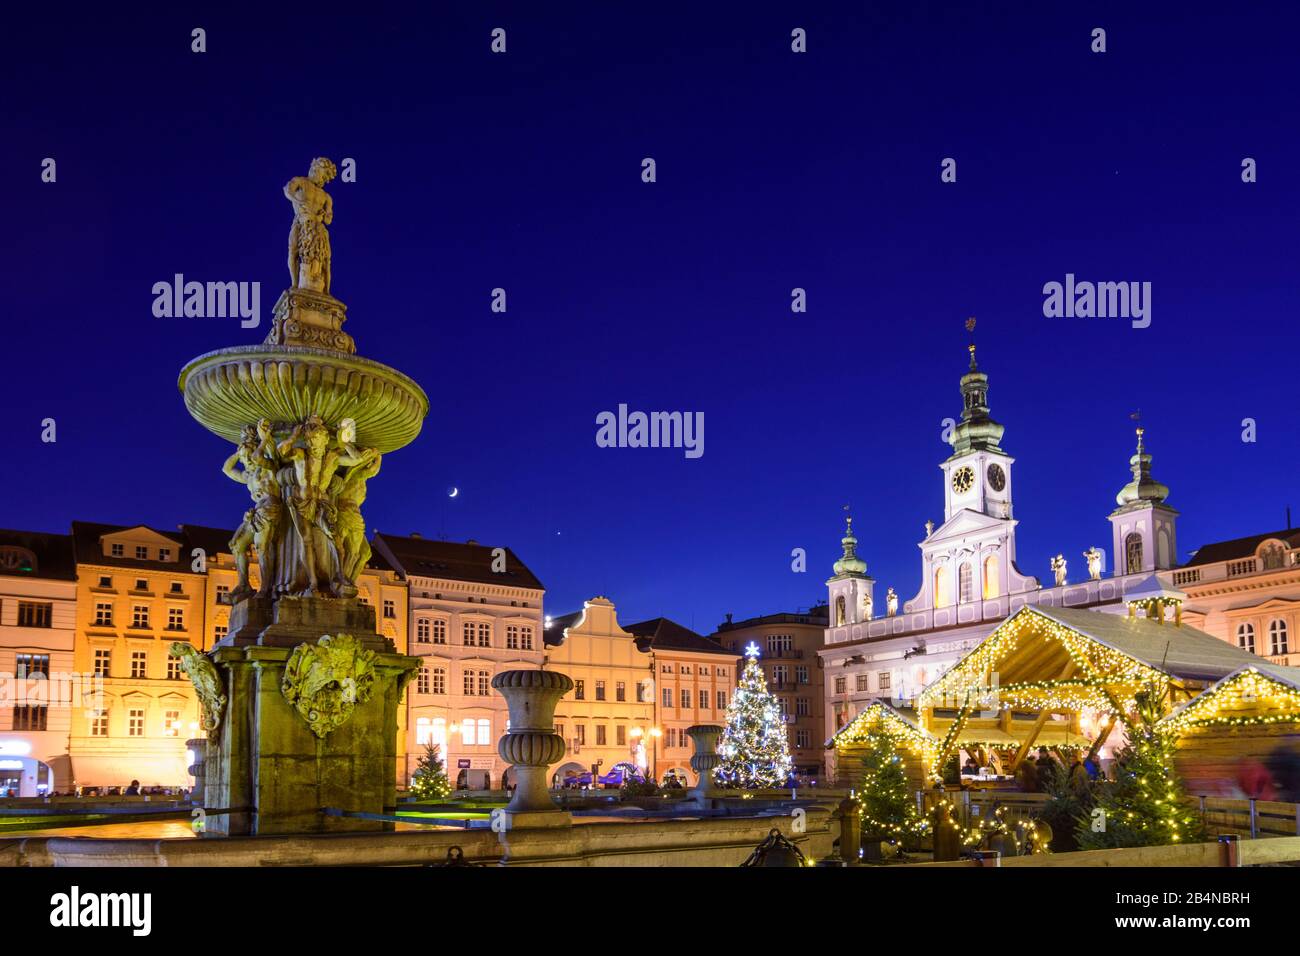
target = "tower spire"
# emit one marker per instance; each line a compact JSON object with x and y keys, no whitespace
{"x":1143,"y":487}
{"x":849,"y":562}
{"x":976,"y":431}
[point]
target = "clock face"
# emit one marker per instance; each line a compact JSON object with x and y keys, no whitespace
{"x":962,"y":479}
{"x":997,"y":477}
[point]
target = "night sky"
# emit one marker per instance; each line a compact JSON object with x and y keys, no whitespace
{"x":775,"y":170}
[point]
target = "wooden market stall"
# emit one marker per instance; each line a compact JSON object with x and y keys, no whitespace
{"x":916,"y":746}
{"x":1241,"y":737}
{"x":1062,"y":678}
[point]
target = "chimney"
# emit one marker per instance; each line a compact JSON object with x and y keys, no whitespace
{"x":417,"y":536}
{"x":728,"y":617}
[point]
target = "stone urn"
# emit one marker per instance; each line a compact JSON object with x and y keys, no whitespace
{"x":531,"y":745}
{"x":705,"y":738}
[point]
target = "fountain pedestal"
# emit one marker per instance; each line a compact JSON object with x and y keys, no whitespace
{"x":269,"y":762}
{"x":705,"y":739}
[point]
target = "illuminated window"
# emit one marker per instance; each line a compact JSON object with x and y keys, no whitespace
{"x":99,"y":723}
{"x":171,"y":723}
{"x":965,"y":583}
{"x":135,"y":722}
{"x":991,"y":576}
{"x":942,"y":589}
{"x":34,"y":614}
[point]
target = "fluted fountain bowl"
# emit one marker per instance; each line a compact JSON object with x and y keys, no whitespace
{"x":231,"y":388}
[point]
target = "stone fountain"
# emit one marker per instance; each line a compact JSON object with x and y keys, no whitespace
{"x":300,"y":698}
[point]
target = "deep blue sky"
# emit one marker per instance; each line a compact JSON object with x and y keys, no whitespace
{"x":775,"y":170}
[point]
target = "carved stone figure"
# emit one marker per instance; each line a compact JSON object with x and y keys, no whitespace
{"x":891,"y":602}
{"x":1093,"y":557}
{"x":325,"y":681}
{"x":256,"y":453}
{"x":348,"y":494}
{"x":1058,"y":568}
{"x":309,"y":240}
{"x":207,"y":684}
{"x":304,"y":476}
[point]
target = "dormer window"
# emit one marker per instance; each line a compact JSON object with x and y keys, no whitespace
{"x":117,"y":550}
{"x":164,"y":554}
{"x":141,"y":553}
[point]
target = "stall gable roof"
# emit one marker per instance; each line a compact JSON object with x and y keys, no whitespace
{"x":1286,"y":678}
{"x":889,"y":715}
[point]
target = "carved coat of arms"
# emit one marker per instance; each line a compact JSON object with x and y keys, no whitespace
{"x":207,"y":684}
{"x":325,"y":681}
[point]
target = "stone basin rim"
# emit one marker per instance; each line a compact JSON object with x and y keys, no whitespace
{"x":282,"y":352}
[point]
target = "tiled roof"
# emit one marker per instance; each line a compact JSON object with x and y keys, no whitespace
{"x":1240,"y":547}
{"x":662,"y":633}
{"x":53,"y":554}
{"x":86,"y":537}
{"x":423,"y":557}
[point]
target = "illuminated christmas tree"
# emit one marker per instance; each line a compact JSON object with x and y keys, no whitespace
{"x":1145,"y":805}
{"x":429,"y":782}
{"x":888,"y":810}
{"x":753,"y":746}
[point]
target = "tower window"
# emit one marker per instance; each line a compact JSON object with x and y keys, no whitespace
{"x":840,"y":616}
{"x":1133,"y":553}
{"x":965,"y":583}
{"x":991,"y":576}
{"x":942,"y":587}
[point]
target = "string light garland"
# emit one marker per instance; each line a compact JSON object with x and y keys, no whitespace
{"x":1246,"y":699}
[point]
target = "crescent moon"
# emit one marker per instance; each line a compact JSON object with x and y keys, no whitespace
{"x":453,"y":493}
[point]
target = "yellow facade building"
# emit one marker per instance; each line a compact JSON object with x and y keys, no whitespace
{"x":608,"y":718}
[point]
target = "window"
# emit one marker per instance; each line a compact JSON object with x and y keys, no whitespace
{"x":140,"y":616}
{"x":422,"y":631}
{"x":476,"y":733}
{"x":173,"y":668}
{"x":117,"y":550}
{"x":176,"y":619}
{"x":103,"y":658}
{"x":139,"y":663}
{"x":164,"y":554}
{"x":600,"y":690}
{"x":704,"y":700}
{"x":484,"y":634}
{"x":30,"y":717}
{"x":141,"y":554}
{"x":801,"y":674}
{"x":99,"y":723}
{"x":600,"y":735}
{"x":512,"y":636}
{"x":580,"y":730}
{"x":219,"y":632}
{"x":991,"y":576}
{"x":840,"y":617}
{"x":645,"y":691}
{"x":620,"y":691}
{"x":721,"y":672}
{"x":484,"y":683}
{"x":666,"y":668}
{"x":171,"y":723}
{"x":942,"y":594}
{"x":686,"y":699}
{"x":484,"y":731}
{"x":467,"y":632}
{"x":802,"y":738}
{"x":135,"y":722}
{"x":32,"y":665}
{"x":390,"y":609}
{"x":863,"y":683}
{"x":579,"y":690}
{"x":839,"y":685}
{"x":722,"y":700}
{"x":668,"y":698}
{"x":526,"y":638}
{"x":1277,"y":637}
{"x":439,"y":631}
{"x":965,"y":583}
{"x":1133,"y":553}
{"x":620,"y":735}
{"x":141,"y":584}
{"x":1246,"y":637}
{"x":105,"y":581}
{"x":670,"y":737}
{"x":469,"y":683}
{"x":883,"y":682}
{"x":801,"y":707}
{"x":779,"y":644}
{"x":223,"y":593}
{"x":783,"y":706}
{"x":439,"y":680}
{"x":780,"y":674}
{"x":177,"y":588}
{"x":35,"y":614}
{"x":422,"y":681}
{"x":686,"y":669}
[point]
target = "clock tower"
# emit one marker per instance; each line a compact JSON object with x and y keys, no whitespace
{"x":969,"y":562}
